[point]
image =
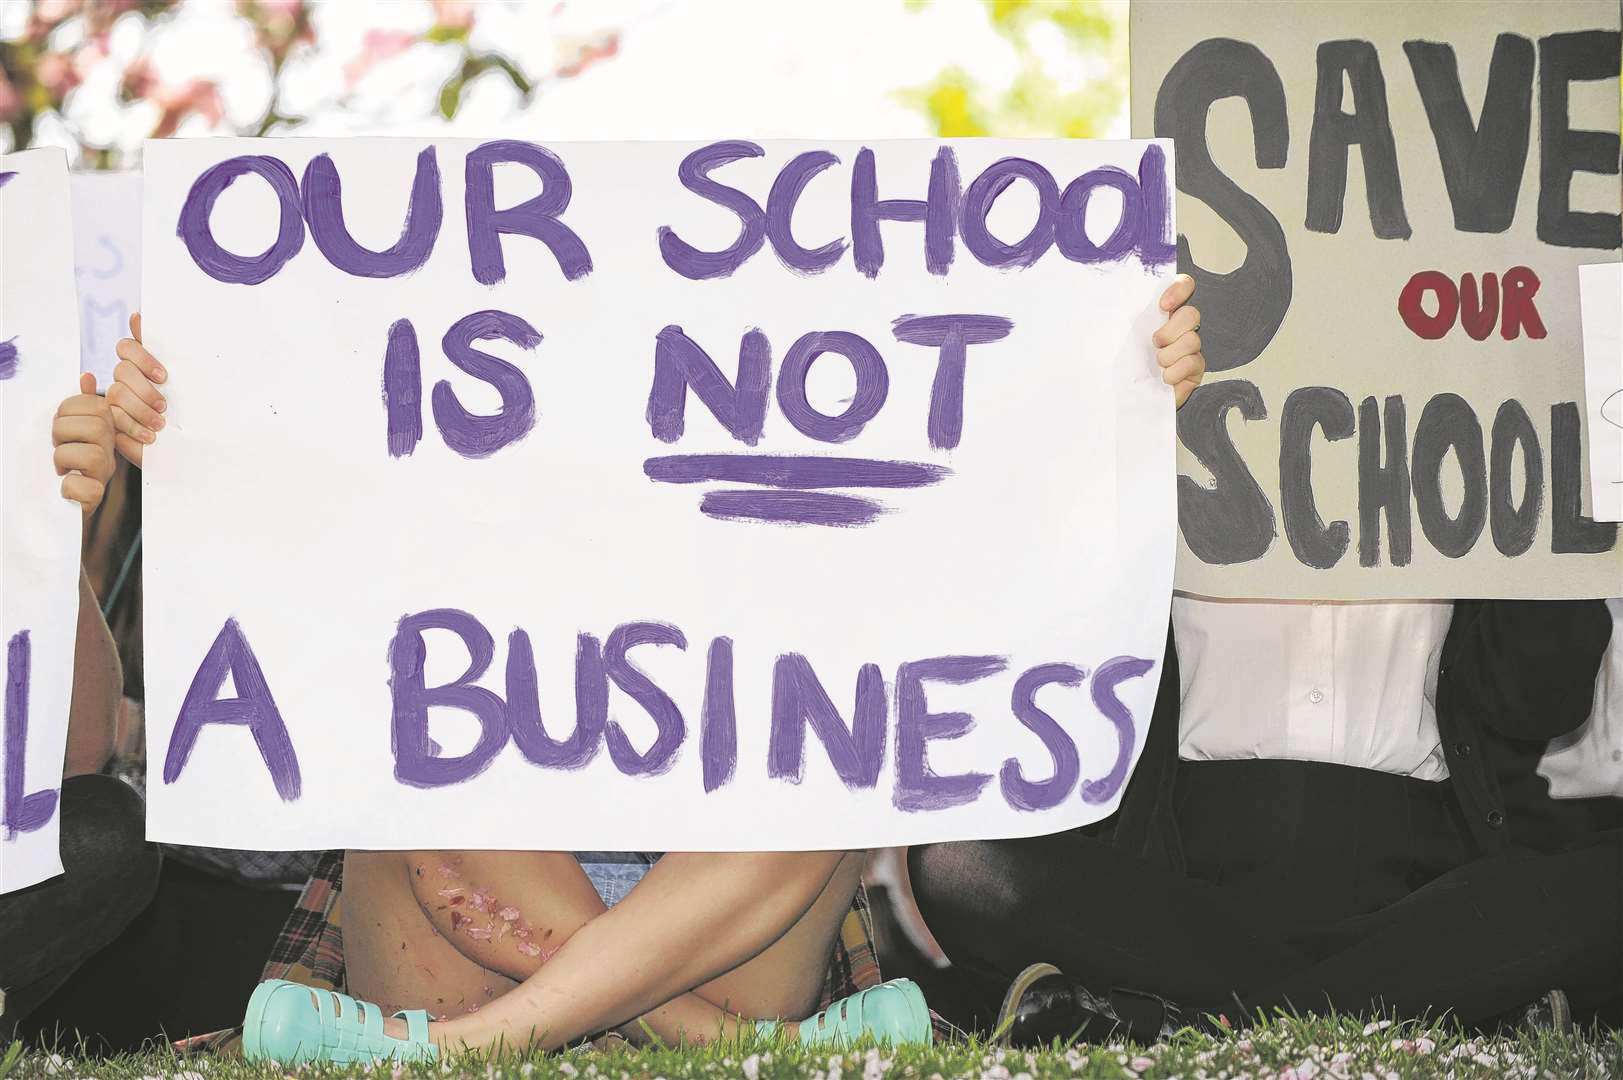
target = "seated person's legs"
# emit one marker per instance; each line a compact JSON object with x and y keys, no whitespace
{"x":1104,"y":917}
{"x":516,"y":947}
{"x":109,"y":875}
{"x":1495,"y":935}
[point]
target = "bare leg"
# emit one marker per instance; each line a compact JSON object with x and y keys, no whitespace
{"x":452,"y":931}
{"x":434,"y":935}
{"x":394,"y":954}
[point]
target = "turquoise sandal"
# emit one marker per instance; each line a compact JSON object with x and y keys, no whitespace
{"x":893,"y":1012}
{"x":282,"y":1025}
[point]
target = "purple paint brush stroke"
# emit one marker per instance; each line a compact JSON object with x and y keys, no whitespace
{"x":8,"y":348}
{"x":194,"y":229}
{"x":23,"y":811}
{"x":791,"y":507}
{"x":792,"y":472}
{"x":1111,"y":673}
{"x":324,"y":211}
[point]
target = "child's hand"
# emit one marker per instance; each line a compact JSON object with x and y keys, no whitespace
{"x":135,"y":398}
{"x":1177,"y":343}
{"x":83,"y":436}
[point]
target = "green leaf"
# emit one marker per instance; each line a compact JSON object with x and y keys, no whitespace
{"x":441,"y":35}
{"x":9,"y":1061}
{"x":451,"y":95}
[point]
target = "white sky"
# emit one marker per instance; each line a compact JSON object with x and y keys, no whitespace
{"x":687,"y":69}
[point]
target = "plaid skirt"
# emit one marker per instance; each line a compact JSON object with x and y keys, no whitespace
{"x":310,"y":950}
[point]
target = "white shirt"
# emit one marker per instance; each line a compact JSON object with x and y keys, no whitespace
{"x":1346,"y":683}
{"x":1589,"y":762}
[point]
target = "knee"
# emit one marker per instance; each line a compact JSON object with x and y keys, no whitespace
{"x":105,"y":853}
{"x":933,"y":871}
{"x":956,"y":881}
{"x":790,"y":879}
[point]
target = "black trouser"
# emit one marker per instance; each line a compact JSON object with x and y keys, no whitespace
{"x":1478,"y":941}
{"x":110,"y":873}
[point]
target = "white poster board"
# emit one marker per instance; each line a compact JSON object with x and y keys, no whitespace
{"x":1600,"y":289}
{"x":525,"y":521}
{"x":106,"y":264}
{"x":39,"y":534}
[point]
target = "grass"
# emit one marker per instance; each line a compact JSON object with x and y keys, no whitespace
{"x":1287,"y":1048}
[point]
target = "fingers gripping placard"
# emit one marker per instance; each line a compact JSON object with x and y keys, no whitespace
{"x":660,"y":496}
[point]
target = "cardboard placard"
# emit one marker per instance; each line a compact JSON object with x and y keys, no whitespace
{"x":1384,"y":206}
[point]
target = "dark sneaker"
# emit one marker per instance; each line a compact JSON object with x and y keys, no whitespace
{"x":1043,"y":1005}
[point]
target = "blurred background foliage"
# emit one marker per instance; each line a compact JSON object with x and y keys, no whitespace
{"x":98,"y":76}
{"x":55,"y":54}
{"x":1071,"y":80}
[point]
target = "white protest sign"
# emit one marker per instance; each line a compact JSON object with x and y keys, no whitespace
{"x":592,"y":504}
{"x":39,"y":536}
{"x":106,"y":264}
{"x":1600,"y":289}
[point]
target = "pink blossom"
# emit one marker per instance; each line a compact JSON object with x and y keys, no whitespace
{"x":278,"y":24}
{"x":589,"y":53}
{"x":96,"y":47}
{"x":376,"y":47}
{"x":10,"y":102}
{"x":528,"y":948}
{"x":56,"y":74}
{"x":139,"y":80}
{"x":509,"y":913}
{"x":453,"y":14}
{"x":200,"y":96}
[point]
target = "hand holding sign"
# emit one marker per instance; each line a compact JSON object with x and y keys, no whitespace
{"x":1177,"y":344}
{"x":83,"y":436}
{"x":134,"y":397}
